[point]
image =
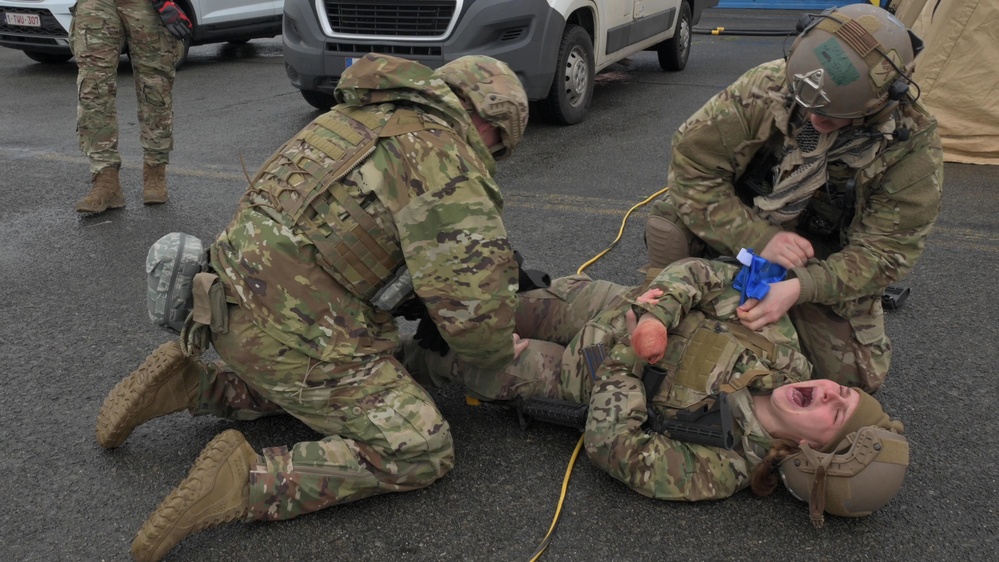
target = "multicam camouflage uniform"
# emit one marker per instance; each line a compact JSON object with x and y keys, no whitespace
{"x":302,"y":341}
{"x":698,"y":306}
{"x":97,"y":33}
{"x":897,"y":196}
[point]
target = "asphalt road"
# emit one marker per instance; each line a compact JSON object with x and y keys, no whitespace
{"x":73,"y":305}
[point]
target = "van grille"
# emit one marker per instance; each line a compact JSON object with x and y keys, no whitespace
{"x":397,"y":50}
{"x":400,"y":18}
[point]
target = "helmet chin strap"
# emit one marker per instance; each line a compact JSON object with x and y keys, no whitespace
{"x":890,"y":109}
{"x":498,"y":150}
{"x":817,"y":495}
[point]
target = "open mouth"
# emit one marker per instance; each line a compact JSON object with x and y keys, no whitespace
{"x":801,"y":397}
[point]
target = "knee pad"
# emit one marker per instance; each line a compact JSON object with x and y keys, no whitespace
{"x":666,"y":241}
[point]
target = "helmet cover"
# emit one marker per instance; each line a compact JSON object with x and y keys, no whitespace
{"x":859,"y":477}
{"x":843,"y":63}
{"x":495,"y":93}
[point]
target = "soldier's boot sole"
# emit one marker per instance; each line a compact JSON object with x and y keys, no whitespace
{"x":165,"y":383}
{"x":105,"y":194}
{"x":215,"y":491}
{"x":154,"y":189}
{"x":666,"y":242}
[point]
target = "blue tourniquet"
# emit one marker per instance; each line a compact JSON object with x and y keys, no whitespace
{"x":753,"y":282}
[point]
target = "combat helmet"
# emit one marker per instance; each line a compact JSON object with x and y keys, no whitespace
{"x":851,"y":61}
{"x":859,"y":476}
{"x":495,"y":93}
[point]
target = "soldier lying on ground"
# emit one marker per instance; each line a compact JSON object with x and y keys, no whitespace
{"x":825,"y":164}
{"x":779,"y":415}
{"x":398,"y":174}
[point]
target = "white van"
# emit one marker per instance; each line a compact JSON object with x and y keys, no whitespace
{"x":555,"y":46}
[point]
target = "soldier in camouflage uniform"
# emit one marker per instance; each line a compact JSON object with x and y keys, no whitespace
{"x":399,"y":174}
{"x":154,"y":31}
{"x":576,"y":314}
{"x":825,"y":164}
{"x":707,"y":351}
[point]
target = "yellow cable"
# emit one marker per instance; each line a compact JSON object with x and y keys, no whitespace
{"x":561,"y":499}
{"x":575,"y":454}
{"x":620,"y":231}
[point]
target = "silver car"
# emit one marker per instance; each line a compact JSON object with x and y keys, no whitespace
{"x":40,"y":28}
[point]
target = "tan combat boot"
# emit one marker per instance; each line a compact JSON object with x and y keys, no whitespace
{"x":154,"y":190}
{"x":666,"y":241}
{"x":166,"y":382}
{"x":105,"y":193}
{"x":216,"y":491}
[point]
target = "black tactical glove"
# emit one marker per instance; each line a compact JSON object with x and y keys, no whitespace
{"x":429,"y":337}
{"x":173,"y":18}
{"x":530,"y":279}
{"x":412,"y":309}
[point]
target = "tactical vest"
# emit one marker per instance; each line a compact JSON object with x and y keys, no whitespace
{"x":827,"y":217}
{"x":301,"y":189}
{"x":701,"y":359}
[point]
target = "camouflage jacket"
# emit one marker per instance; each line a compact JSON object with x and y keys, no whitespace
{"x":429,"y":197}
{"x":897,"y":195}
{"x":698,"y":307}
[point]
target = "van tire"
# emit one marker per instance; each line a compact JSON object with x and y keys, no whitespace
{"x":673,"y":53}
{"x":319,"y":100}
{"x":572,"y":85}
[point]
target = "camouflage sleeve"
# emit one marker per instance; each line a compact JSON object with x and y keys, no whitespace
{"x":890,"y":235}
{"x":712,"y":149}
{"x":456,"y":249}
{"x":651,"y":463}
{"x":694,"y":283}
{"x":706,"y":285}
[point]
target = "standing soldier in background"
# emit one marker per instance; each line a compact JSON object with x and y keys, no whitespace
{"x":154,"y":33}
{"x":396,"y":178}
{"x":826,"y":164}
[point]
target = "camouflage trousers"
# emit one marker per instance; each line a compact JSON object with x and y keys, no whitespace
{"x":850,"y":348}
{"x":99,"y":30}
{"x":383,"y":432}
{"x":843,"y":351}
{"x":558,"y":321}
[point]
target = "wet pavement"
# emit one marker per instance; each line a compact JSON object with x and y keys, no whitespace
{"x":73,"y":301}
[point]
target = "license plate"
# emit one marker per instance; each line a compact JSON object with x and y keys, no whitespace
{"x":350,"y":61}
{"x":23,"y":20}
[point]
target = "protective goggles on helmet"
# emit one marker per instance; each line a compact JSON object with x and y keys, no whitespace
{"x":808,"y":91}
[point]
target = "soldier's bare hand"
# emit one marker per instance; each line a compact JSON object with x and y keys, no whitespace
{"x":788,"y":249}
{"x":650,"y":297}
{"x":756,"y":314}
{"x":519,"y":345}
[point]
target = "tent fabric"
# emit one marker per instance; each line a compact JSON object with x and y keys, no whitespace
{"x":958,"y":76}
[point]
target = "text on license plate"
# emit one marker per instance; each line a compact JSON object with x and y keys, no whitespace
{"x":26,"y":20}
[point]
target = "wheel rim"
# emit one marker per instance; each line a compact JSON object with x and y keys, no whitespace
{"x":683,"y":35}
{"x":576,"y":76}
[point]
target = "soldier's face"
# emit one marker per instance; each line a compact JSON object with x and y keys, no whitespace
{"x":827,"y":125}
{"x":812,"y":411}
{"x":489,"y":133}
